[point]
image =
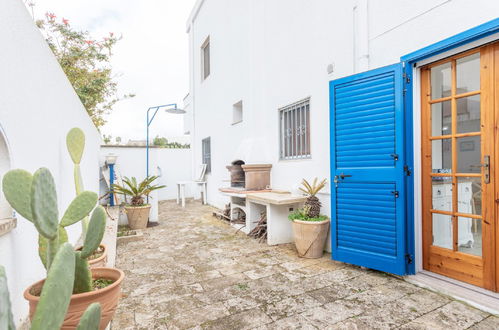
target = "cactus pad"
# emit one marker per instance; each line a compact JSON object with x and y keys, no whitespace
{"x":44,"y":203}
{"x":83,"y":276}
{"x":16,"y":187}
{"x":56,"y":292}
{"x":79,"y":208}
{"x":6,"y":318}
{"x":91,"y":318}
{"x":43,"y":244}
{"x":95,"y":231}
{"x":75,"y":142}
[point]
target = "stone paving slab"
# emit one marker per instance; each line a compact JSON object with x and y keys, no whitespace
{"x":194,"y":271}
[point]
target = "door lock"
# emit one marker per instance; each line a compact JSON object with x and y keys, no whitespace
{"x":486,"y":169}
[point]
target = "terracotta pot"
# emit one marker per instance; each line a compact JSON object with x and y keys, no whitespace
{"x":107,"y":297}
{"x":137,"y":216}
{"x":100,"y":261}
{"x":310,"y":237}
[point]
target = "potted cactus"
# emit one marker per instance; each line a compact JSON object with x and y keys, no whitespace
{"x":75,"y":143}
{"x":34,"y":197}
{"x":310,"y":228}
{"x":137,"y":211}
{"x":54,"y":298}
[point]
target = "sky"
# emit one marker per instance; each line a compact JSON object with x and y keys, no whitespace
{"x":151,"y":61}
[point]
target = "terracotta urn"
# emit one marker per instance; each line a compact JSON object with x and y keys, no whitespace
{"x":310,"y":237}
{"x":100,"y":261}
{"x":138,"y":216}
{"x":108,"y":298}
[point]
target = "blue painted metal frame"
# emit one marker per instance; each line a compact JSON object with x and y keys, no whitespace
{"x":399,"y":264}
{"x":148,"y":123}
{"x":408,"y":61}
{"x":111,"y":182}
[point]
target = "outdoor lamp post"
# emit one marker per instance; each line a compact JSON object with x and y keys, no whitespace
{"x":169,"y":108}
{"x":110,"y":161}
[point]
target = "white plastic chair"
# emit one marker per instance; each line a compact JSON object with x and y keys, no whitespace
{"x":199,"y":181}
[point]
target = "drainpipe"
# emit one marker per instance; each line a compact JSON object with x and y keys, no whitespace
{"x":361,"y":36}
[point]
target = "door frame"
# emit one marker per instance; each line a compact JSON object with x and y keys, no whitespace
{"x":412,"y":62}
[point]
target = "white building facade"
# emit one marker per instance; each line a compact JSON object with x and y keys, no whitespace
{"x":260,"y":74}
{"x":38,"y":106}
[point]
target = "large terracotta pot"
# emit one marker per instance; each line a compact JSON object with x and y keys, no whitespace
{"x":137,"y":216}
{"x":310,"y":237}
{"x":100,"y":261}
{"x":107,"y":297}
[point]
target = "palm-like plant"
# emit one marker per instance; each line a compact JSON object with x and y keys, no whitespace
{"x":312,"y":204}
{"x":137,"y":190}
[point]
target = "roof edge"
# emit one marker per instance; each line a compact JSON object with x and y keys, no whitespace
{"x":194,"y":13}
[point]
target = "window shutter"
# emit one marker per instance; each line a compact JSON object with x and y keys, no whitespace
{"x":368,"y":225}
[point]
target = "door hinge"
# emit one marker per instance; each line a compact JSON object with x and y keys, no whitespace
{"x":395,"y":193}
{"x":407,"y":170}
{"x":409,"y":258}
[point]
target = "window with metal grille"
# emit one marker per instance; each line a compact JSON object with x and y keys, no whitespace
{"x":294,"y":125}
{"x":205,"y":58}
{"x":206,"y":151}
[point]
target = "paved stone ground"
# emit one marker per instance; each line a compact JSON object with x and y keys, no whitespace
{"x":195,"y":271}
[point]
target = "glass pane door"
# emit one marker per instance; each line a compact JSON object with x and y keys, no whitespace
{"x":456,"y":148}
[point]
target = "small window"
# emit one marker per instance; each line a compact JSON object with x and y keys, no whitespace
{"x":206,"y":150}
{"x":294,"y":129}
{"x":205,"y":58}
{"x":237,"y":112}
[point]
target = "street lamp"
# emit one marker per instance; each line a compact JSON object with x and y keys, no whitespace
{"x":169,"y":108}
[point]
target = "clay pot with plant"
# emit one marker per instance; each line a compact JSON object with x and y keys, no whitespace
{"x":75,"y":143}
{"x":34,"y":197}
{"x":55,"y":297}
{"x":137,"y":210}
{"x":310,"y":228}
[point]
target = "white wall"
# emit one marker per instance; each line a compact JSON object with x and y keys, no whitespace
{"x":272,"y":53}
{"x":174,"y":165}
{"x":37,"y":108}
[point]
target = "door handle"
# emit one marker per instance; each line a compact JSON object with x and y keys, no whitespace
{"x":343,"y":176}
{"x":486,"y":169}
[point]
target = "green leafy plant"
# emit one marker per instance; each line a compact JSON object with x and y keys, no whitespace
{"x":54,"y":298}
{"x":137,"y":190}
{"x":86,"y":61}
{"x":35,"y":198}
{"x":312,"y":207}
{"x":312,"y":204}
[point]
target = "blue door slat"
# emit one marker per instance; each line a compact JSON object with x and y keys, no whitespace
{"x":365,"y":113}
{"x":381,"y":104}
{"x":367,"y":128}
{"x":361,"y":124}
{"x":367,"y":141}
{"x":376,"y":228}
{"x":379,"y":82}
{"x":367,"y":247}
{"x":388,"y":145}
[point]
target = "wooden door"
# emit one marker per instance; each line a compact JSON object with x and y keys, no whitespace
{"x":458,"y":166}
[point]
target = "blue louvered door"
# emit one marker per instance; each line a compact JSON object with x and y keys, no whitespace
{"x":367,"y":169}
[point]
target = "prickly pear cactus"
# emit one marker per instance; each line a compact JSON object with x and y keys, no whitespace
{"x":91,"y":318}
{"x":95,"y":232}
{"x":43,"y":244}
{"x":6,"y":318}
{"x":79,"y":208}
{"x":56,"y":292}
{"x":16,"y":186}
{"x":83,"y":276}
{"x":44,"y":203}
{"x":75,"y":142}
